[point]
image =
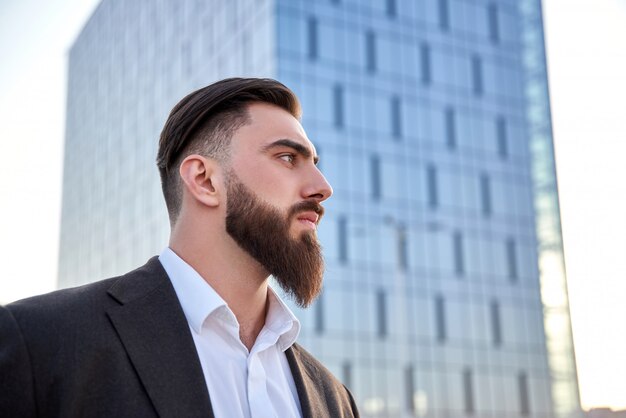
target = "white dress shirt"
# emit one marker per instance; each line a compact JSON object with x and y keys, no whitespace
{"x":241,"y":383}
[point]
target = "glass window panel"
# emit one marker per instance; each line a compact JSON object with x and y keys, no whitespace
{"x":355,"y":118}
{"x":460,"y":71}
{"x":468,"y":188}
{"x":431,"y":186}
{"x":479,"y":321}
{"x":468,"y":392}
{"x":370,"y":51}
{"x":441,"y":253}
{"x":375,"y":177}
{"x":440,"y":319}
{"x":338,"y":114}
{"x":391,"y":8}
{"x":483,"y":384}
{"x":359,"y":169}
{"x":355,"y":53}
{"x":450,"y":127}
{"x":396,"y":118}
{"x":509,"y":26}
{"x":331,"y":44}
{"x":325,"y":103}
{"x":410,"y":59}
{"x":500,"y":395}
{"x":416,"y":248}
{"x":503,"y":197}
{"x":319,"y":314}
{"x":342,"y":238}
{"x":524,"y":401}
{"x":381,"y":124}
{"x":444,"y":14}
{"x":425,"y":63}
{"x":362,"y":241}
{"x":422,"y":118}
{"x":312,"y":28}
{"x":457,"y":328}
{"x":511,"y":258}
{"x":477,"y":75}
{"x":334,"y":170}
{"x":364,"y":311}
{"x":445,"y":68}
{"x":485,"y":195}
{"x":409,"y":388}
{"x":474,"y":249}
{"x":381,"y":310}
{"x":393,"y":179}
{"x":346,"y":373}
{"x":512,"y":317}
{"x":465,"y":128}
{"x":492,"y":18}
{"x":337,"y":316}
{"x":459,"y":256}
{"x":501,"y":135}
{"x":496,"y":329}
{"x":540,"y":388}
{"x":385,"y":245}
{"x":401,"y":240}
{"x":422,"y":323}
{"x":389,"y":54}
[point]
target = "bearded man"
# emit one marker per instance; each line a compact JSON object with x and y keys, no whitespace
{"x":197,"y":331}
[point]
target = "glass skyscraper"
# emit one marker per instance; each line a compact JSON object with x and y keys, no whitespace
{"x":445,"y":291}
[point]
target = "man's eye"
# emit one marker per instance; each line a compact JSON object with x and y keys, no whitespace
{"x":288,"y":158}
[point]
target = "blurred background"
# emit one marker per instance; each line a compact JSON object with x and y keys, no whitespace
{"x":447,"y":293}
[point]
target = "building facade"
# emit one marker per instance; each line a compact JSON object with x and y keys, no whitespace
{"x":445,"y":292}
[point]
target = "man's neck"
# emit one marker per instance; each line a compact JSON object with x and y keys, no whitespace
{"x":239,"y":279}
{"x":248,"y":333}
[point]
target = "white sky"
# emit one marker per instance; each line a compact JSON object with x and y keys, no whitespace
{"x":587,"y":62}
{"x":586,"y":43}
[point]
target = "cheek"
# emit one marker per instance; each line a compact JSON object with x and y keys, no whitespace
{"x":273,"y":183}
{"x":267,"y":181}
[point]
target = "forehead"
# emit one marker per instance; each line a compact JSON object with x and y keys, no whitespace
{"x":267,"y":124}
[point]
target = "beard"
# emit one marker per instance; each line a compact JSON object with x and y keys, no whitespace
{"x":262,"y":231}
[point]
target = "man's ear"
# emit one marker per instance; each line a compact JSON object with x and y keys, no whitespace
{"x":201,"y":178}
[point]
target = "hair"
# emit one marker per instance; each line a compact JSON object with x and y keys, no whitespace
{"x":204,"y":121}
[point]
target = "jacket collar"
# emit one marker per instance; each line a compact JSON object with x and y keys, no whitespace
{"x":312,"y":399}
{"x":153,"y":329}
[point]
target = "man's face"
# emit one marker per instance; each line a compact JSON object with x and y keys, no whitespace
{"x":273,"y":204}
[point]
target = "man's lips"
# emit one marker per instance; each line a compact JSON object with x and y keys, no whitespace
{"x":311,"y":218}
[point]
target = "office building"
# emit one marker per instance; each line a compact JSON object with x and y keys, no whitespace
{"x":445,"y":292}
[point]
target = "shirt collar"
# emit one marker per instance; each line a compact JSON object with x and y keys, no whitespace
{"x":199,"y":300}
{"x":281,"y":320}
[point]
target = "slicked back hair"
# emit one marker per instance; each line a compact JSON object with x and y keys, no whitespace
{"x":204,"y":121}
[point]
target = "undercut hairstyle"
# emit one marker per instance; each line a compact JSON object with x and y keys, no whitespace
{"x":204,"y":122}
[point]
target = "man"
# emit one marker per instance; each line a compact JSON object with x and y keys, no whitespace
{"x":196,"y":332}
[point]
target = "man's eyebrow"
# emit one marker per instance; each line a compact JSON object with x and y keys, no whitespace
{"x":296,"y":146}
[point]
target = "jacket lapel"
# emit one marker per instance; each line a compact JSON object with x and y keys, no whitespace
{"x":156,"y":336}
{"x":312,"y":401}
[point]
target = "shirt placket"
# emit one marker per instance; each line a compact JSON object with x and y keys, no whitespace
{"x":258,"y":397}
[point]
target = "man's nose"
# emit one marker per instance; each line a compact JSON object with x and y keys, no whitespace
{"x":318,"y":188}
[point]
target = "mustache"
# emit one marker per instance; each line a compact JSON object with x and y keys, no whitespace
{"x":307,"y":206}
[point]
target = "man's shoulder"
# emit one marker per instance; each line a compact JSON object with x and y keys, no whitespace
{"x":64,"y":299}
{"x":325,"y":388}
{"x":81,"y":300}
{"x":312,"y":364}
{"x":314,"y":367}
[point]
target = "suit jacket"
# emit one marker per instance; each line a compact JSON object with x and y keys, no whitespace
{"x":122,"y":348}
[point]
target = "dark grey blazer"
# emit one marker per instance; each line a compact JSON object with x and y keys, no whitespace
{"x":122,"y":348}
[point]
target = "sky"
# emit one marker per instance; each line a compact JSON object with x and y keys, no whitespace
{"x":586,"y":46}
